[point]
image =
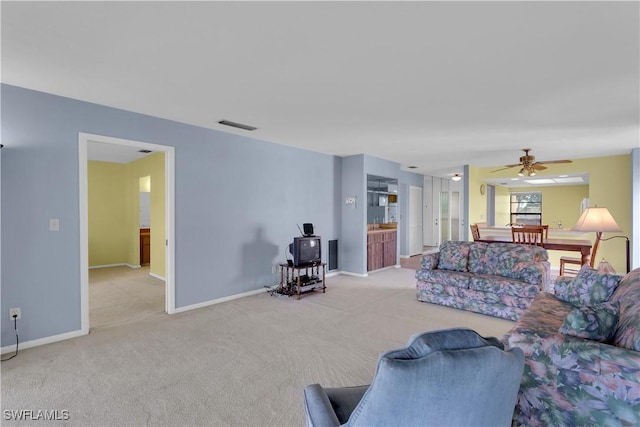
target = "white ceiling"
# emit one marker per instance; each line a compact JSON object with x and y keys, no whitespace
{"x":113,"y":153}
{"x":431,"y":84}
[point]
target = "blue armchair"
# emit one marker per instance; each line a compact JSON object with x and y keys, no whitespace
{"x":447,"y":377}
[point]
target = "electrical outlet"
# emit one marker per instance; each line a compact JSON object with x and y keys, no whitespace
{"x":16,"y":312}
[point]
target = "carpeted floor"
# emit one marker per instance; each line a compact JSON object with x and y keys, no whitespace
{"x":122,"y":295}
{"x":239,"y":363}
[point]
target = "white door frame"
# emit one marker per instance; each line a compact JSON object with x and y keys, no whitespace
{"x":415,"y":220}
{"x":169,"y":174}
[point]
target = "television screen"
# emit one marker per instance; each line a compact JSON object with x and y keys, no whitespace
{"x":306,"y":251}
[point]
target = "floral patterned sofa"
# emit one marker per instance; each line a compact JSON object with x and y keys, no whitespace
{"x":582,"y":353}
{"x":498,"y":279}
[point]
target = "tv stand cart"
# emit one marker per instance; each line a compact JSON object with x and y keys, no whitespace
{"x":296,"y":280}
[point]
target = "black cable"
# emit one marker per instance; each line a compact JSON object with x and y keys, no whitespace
{"x":15,"y":328}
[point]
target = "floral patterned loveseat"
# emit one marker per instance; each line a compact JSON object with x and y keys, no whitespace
{"x":582,"y":353}
{"x":498,"y":279}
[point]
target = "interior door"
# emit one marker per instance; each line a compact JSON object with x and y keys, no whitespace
{"x":445,"y":210}
{"x":415,"y":220}
{"x":455,"y":213}
{"x":444,"y":216}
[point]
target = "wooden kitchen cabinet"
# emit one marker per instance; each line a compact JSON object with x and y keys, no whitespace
{"x":381,"y":249}
{"x":145,"y":246}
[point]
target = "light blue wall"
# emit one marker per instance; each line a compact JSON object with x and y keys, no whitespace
{"x":405,"y":180}
{"x":238,"y":201}
{"x":353,"y":243}
{"x":354,"y":219}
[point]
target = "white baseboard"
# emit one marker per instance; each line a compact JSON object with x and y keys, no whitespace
{"x":43,"y":341}
{"x":157,"y":276}
{"x":122,"y":264}
{"x":79,"y":333}
{"x":348,"y":273}
{"x":219,"y":300}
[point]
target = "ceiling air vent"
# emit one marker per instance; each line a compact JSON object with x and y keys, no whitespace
{"x":237,"y":125}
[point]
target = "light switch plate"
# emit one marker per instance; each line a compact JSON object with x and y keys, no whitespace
{"x":54,"y":224}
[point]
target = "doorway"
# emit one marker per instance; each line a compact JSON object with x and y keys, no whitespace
{"x":415,"y":220}
{"x":84,"y":140}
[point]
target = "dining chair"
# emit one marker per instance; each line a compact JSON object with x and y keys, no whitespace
{"x":528,"y":235}
{"x":546,"y":230}
{"x":564,"y":260}
{"x":475,"y":232}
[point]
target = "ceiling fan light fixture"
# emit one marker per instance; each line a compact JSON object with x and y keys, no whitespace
{"x":528,"y":164}
{"x":456,"y":177}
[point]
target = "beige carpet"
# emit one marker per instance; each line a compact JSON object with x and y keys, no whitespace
{"x":240,"y":363}
{"x":121,"y":295}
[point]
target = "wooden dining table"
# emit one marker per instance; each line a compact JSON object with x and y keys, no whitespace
{"x":575,"y":245}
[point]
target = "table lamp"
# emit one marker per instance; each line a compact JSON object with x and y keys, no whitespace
{"x":599,"y":220}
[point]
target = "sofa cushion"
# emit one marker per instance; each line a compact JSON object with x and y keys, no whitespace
{"x":498,"y":286}
{"x":445,"y":277}
{"x":589,"y":287}
{"x":477,"y":257}
{"x":596,"y":322}
{"x":512,"y":260}
{"x":627,"y":295}
{"x":454,"y":255}
{"x":473,"y":297}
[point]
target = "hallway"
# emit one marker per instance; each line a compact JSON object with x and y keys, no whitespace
{"x":120,"y":295}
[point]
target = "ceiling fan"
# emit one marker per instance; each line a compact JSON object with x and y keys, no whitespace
{"x":528,"y":164}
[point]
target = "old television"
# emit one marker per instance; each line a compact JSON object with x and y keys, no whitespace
{"x":306,"y":251}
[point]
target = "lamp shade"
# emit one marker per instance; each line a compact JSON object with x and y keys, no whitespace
{"x":456,"y":177}
{"x":596,"y":219}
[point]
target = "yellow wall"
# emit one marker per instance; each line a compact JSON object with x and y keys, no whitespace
{"x":153,"y":166}
{"x":609,"y":186}
{"x":478,"y":201}
{"x":114,"y":200}
{"x":503,"y":208}
{"x":107,"y":215}
{"x":561,"y":203}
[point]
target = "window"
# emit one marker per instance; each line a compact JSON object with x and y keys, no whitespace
{"x":526,"y":208}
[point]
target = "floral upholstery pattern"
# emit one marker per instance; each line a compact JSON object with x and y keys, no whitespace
{"x":430,"y":261}
{"x":524,"y":270}
{"x":628,"y":296}
{"x":589,"y":287}
{"x":445,"y":277}
{"x":572,"y":381}
{"x":513,"y":261}
{"x":596,"y":322}
{"x":454,"y":255}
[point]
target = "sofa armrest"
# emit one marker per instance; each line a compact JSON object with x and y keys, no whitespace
{"x":430,"y":261}
{"x":318,"y":408}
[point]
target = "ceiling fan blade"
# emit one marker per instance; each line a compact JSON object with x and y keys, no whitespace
{"x":505,"y":168}
{"x":548,"y":162}
{"x":538,"y":166}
